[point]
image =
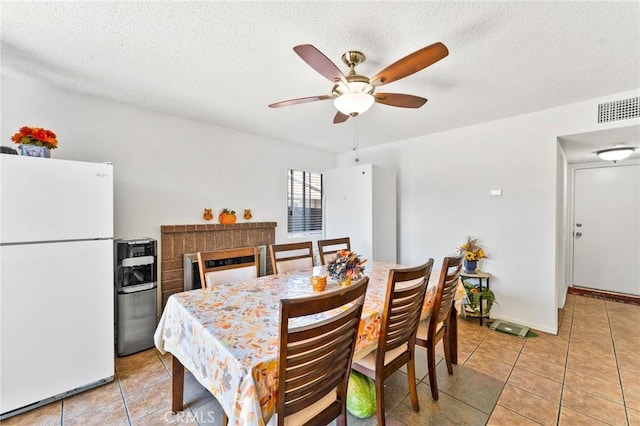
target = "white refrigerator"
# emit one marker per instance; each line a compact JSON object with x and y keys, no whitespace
{"x":359,"y":202}
{"x":56,"y":280}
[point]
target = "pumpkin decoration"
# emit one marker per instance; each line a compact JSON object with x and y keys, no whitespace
{"x":227,"y":217}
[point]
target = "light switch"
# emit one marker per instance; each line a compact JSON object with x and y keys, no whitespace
{"x":496,"y":192}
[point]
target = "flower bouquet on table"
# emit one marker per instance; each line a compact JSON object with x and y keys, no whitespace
{"x":472,"y":253}
{"x":345,"y":267}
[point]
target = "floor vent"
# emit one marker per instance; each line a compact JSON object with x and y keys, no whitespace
{"x":510,"y":328}
{"x":619,"y":110}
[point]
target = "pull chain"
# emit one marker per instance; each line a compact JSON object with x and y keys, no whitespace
{"x":355,"y":138}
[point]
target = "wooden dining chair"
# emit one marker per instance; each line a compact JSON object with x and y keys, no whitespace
{"x":314,"y":359}
{"x":328,"y":248}
{"x":224,"y":266}
{"x":437,"y":326}
{"x":291,"y":257}
{"x":406,"y":289}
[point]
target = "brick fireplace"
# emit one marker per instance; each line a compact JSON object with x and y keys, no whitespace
{"x":178,"y":240}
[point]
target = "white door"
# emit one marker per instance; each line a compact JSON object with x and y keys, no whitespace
{"x":606,"y":228}
{"x":348,"y":206}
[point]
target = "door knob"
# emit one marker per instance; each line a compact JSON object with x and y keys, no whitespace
{"x":578,"y":225}
{"x":578,"y":234}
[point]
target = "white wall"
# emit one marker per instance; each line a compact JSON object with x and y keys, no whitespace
{"x":562,"y":225}
{"x":167,"y":169}
{"x":444,"y":181}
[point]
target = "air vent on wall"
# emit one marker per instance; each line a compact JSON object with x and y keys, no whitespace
{"x":619,"y":110}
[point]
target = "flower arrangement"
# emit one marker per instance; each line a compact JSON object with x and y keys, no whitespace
{"x":471,"y":250}
{"x":35,"y":136}
{"x":346,"y":265}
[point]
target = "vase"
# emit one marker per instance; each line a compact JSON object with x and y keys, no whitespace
{"x":345,"y":282}
{"x":470,"y":266}
{"x":35,"y":151}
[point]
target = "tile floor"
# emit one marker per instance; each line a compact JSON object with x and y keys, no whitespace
{"x":589,"y":374}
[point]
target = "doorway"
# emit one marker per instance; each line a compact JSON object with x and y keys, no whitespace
{"x":606,"y":227}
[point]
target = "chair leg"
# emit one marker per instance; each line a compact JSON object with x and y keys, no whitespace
{"x":380,"y":401}
{"x":447,"y":351}
{"x":431,"y":359}
{"x":452,"y":334}
{"x":413,"y":391}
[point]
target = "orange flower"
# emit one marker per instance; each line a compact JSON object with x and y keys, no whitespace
{"x":40,"y":134}
{"x":35,"y":136}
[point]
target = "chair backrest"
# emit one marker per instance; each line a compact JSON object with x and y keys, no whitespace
{"x":406,"y":289}
{"x":224,"y":266}
{"x":328,"y":248}
{"x":315,"y":359}
{"x":291,"y":257}
{"x":445,"y":294}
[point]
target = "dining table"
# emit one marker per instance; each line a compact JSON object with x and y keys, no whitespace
{"x":227,"y":336}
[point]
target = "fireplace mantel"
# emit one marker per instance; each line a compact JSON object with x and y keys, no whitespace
{"x":176,"y":240}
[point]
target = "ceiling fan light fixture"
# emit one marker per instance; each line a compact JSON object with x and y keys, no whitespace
{"x":354,"y":103}
{"x":352,"y":94}
{"x":360,"y":87}
{"x":615,"y":154}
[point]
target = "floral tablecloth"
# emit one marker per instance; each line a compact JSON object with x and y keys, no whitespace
{"x":228,"y":336}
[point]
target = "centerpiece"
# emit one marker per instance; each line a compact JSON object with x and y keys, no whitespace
{"x":345,"y":267}
{"x":472,"y":253}
{"x":35,"y":141}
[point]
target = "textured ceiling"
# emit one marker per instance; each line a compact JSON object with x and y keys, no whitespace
{"x":224,"y":62}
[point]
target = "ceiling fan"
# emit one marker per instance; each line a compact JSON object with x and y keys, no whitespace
{"x":354,"y":94}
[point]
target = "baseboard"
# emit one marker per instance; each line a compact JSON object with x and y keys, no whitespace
{"x":605,"y":295}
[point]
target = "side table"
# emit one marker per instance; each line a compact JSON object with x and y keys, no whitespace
{"x":480,"y":276}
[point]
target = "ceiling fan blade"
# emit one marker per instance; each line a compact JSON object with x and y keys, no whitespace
{"x":410,"y":64}
{"x":319,"y":62}
{"x":400,"y":100}
{"x":340,"y":118}
{"x":299,"y":101}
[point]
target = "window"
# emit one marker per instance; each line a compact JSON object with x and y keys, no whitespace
{"x":304,"y":201}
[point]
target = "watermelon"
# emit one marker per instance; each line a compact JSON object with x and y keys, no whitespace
{"x":361,"y":395}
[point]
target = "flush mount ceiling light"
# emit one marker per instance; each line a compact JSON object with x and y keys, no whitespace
{"x":615,"y":154}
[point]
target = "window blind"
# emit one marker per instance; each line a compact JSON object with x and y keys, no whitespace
{"x":304,"y":202}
